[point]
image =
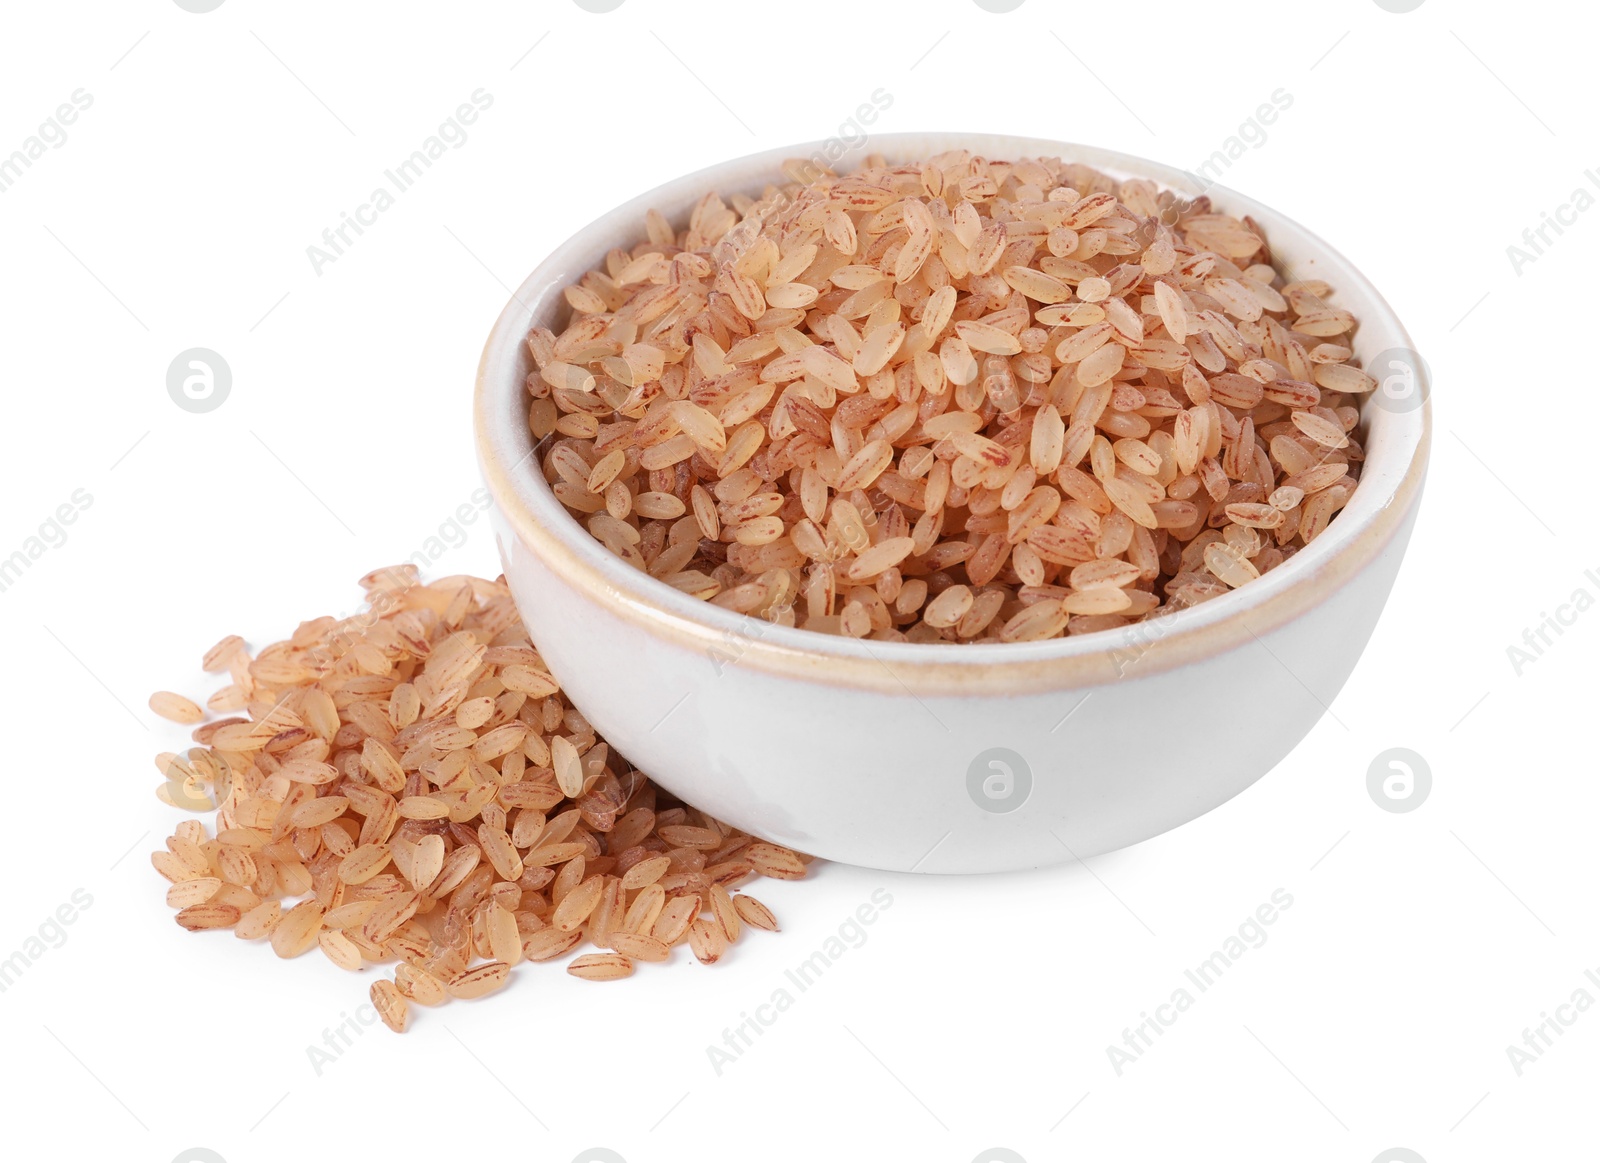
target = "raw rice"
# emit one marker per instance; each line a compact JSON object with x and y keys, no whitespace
{"x":175,"y":707}
{"x":911,"y":403}
{"x":409,"y":784}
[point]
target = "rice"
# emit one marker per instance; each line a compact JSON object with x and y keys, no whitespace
{"x":911,"y":402}
{"x":175,"y":707}
{"x":409,"y":784}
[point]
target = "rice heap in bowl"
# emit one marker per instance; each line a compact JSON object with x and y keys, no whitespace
{"x":957,"y":401}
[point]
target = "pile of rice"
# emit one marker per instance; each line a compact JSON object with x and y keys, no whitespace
{"x":410,"y":784}
{"x":961,"y":401}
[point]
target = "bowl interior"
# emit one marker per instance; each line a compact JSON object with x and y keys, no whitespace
{"x":1395,"y":440}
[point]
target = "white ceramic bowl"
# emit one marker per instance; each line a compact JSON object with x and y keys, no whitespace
{"x":946,"y":758}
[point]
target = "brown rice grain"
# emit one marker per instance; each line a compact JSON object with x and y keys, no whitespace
{"x":218,"y":658}
{"x":296,"y":930}
{"x":175,"y":707}
{"x":548,"y":944}
{"x":707,"y":941}
{"x":418,"y":985}
{"x":187,"y":893}
{"x":484,"y":979}
{"x":208,"y":916}
{"x":390,"y":1004}
{"x":672,"y":923}
{"x":339,"y":949}
{"x":639,"y":947}
{"x":601,"y":967}
{"x":259,"y":921}
{"x":1324,"y":432}
{"x":753,"y":912}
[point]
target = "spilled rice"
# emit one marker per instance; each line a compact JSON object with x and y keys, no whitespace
{"x":410,"y":785}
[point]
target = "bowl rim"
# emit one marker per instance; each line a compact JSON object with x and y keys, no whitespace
{"x":1389,"y":489}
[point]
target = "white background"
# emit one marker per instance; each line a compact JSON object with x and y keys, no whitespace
{"x":978,"y":1012}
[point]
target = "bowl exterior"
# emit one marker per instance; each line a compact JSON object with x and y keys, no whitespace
{"x":946,"y":784}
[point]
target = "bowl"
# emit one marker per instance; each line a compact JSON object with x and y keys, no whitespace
{"x":950,"y":758}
